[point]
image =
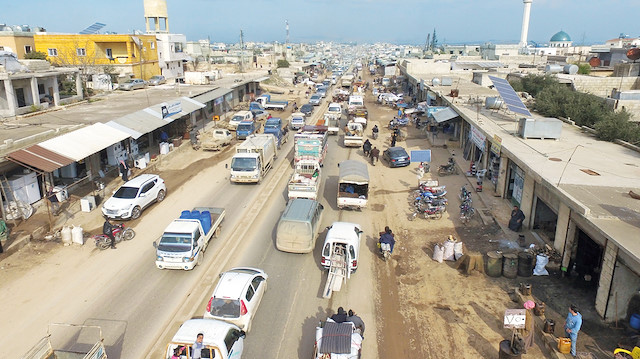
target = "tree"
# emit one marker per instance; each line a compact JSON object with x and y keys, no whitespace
{"x":282,"y":63}
{"x":35,"y":55}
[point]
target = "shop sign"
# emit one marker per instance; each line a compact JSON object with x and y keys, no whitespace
{"x":496,"y":145}
{"x":218,"y":100}
{"x":515,"y":318}
{"x":170,"y":109}
{"x":478,"y":138}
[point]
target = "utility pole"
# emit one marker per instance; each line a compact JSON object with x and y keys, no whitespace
{"x":241,"y":51}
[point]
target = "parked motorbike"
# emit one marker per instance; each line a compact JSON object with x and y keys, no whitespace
{"x":428,"y":211}
{"x":385,"y":250}
{"x":120,"y":232}
{"x":465,"y":194}
{"x":466,"y":212}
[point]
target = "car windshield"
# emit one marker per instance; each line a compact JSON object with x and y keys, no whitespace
{"x":237,"y":118}
{"x":398,"y":153}
{"x":315,"y":97}
{"x":243,"y":164}
{"x":225,"y":308}
{"x":244,"y":127}
{"x":271,"y":125}
{"x":297,"y":119}
{"x":128,"y":82}
{"x":334,"y":109}
{"x":126,"y":192}
{"x":175,"y":242}
{"x":156,"y":78}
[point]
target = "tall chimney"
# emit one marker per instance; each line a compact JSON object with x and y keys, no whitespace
{"x":525,"y":23}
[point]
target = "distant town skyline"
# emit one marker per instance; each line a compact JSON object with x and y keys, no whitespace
{"x":361,"y":21}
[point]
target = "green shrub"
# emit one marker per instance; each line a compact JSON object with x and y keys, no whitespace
{"x":283,"y":63}
{"x":35,"y":55}
{"x":584,"y":68}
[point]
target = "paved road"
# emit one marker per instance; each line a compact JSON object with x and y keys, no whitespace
{"x":135,"y":303}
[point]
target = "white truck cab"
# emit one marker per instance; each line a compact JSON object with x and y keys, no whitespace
{"x":221,"y":340}
{"x":239,"y":117}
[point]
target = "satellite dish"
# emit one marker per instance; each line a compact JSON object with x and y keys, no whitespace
{"x":633,"y":54}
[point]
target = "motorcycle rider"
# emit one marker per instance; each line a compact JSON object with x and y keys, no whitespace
{"x":107,"y":230}
{"x":374,"y":154}
{"x":366,"y":147}
{"x":374,"y":131}
{"x":387,"y":237}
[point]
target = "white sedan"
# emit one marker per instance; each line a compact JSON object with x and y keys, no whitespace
{"x":237,"y":296}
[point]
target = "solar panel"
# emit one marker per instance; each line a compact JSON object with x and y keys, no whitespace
{"x":509,"y":96}
{"x":93,"y":29}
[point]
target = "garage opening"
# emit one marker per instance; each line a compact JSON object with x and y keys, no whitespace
{"x":545,"y":220}
{"x":587,"y":264}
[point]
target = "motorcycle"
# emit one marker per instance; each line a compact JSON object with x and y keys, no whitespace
{"x":464,"y":194}
{"x":449,"y":168}
{"x":120,"y":233}
{"x":374,"y":134}
{"x":425,"y":167}
{"x":385,"y":250}
{"x":466,"y":212}
{"x":428,"y":211}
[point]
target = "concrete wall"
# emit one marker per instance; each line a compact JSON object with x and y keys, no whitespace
{"x":625,"y":284}
{"x":606,"y":278}
{"x":601,"y":86}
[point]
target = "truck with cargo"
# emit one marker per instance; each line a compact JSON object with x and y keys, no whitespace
{"x":353,"y":134}
{"x":346,"y":81}
{"x":71,"y":341}
{"x":268,"y":103}
{"x":310,"y":143}
{"x":253,"y":159}
{"x":274,"y":127}
{"x":355,"y":102}
{"x":215,"y":139}
{"x":306,"y":179}
{"x":186,"y":238}
{"x":353,"y":184}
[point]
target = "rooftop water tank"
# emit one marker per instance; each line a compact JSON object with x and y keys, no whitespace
{"x":553,"y":69}
{"x":570,"y":69}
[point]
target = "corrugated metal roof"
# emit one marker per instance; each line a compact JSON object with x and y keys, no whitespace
{"x":187,"y":105}
{"x":40,"y":158}
{"x":138,"y":123}
{"x":84,"y":142}
{"x":445,"y":115}
{"x":212,"y":95}
{"x":336,"y":338}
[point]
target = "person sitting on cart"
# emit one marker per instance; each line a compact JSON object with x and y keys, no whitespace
{"x":340,"y":317}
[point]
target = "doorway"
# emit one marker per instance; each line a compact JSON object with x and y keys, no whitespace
{"x":588,"y":260}
{"x":545,"y":220}
{"x":20,"y":97}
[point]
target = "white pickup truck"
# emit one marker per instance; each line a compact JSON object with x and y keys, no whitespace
{"x":186,"y":238}
{"x":305,"y":181}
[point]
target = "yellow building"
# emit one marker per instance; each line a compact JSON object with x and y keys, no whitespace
{"x":18,"y":42}
{"x":128,"y":54}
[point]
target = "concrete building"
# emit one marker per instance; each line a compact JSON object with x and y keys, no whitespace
{"x":574,"y":195}
{"x":134,"y":55}
{"x":171,"y":54}
{"x":33,"y":86}
{"x":17,"y":39}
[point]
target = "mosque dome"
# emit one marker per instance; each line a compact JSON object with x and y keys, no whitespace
{"x":560,"y":37}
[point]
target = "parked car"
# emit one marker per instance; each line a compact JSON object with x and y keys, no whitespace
{"x":157,"y":80}
{"x":396,"y":157}
{"x":307,"y":109}
{"x":237,"y":296}
{"x":315,"y":100}
{"x":133,"y":84}
{"x":134,"y":196}
{"x":259,"y":115}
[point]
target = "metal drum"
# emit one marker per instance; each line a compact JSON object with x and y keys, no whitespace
{"x":494,"y":264}
{"x":510,"y":265}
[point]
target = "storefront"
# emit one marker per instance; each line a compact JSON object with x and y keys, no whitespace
{"x":493,"y":167}
{"x":515,"y":184}
{"x":475,"y":149}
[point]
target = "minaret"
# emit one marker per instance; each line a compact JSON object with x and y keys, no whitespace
{"x":525,"y":23}
{"x":156,"y":10}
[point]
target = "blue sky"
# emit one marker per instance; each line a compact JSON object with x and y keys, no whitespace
{"x":396,"y":21}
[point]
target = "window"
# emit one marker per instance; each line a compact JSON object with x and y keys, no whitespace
{"x":81,"y":51}
{"x":250,"y":293}
{"x":27,"y":49}
{"x":109,"y":53}
{"x":256,"y":282}
{"x":152,"y":44}
{"x":147,"y":187}
{"x":178,"y":47}
{"x":52,"y":52}
{"x":231,"y":338}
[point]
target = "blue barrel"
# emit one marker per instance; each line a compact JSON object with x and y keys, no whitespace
{"x":634,"y":322}
{"x":205,"y":219}
{"x":195,"y":215}
{"x":185,"y":214}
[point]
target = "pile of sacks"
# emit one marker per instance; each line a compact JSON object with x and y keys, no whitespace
{"x":450,"y":250}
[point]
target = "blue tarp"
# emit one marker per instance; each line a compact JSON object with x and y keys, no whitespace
{"x":421,"y":156}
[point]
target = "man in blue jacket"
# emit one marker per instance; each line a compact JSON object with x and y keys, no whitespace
{"x":572,"y":326}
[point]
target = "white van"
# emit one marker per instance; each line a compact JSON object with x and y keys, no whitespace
{"x":221,"y":340}
{"x":345,"y":235}
{"x":298,"y":226}
{"x":239,"y":117}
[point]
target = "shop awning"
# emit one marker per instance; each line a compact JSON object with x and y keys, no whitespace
{"x":445,"y":115}
{"x":138,"y":123}
{"x":176,"y":108}
{"x":84,"y":142}
{"x":40,"y":158}
{"x":212,"y":95}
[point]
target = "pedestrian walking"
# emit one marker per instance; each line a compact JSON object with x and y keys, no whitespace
{"x":517,"y":216}
{"x":572,"y":326}
{"x":124,"y":170}
{"x":394,"y":138}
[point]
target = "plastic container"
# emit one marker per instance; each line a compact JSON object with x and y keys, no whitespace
{"x":510,"y":266}
{"x":494,"y":264}
{"x":185,"y":214}
{"x":195,"y":215}
{"x":66,"y":235}
{"x":564,"y":345}
{"x":634,"y":321}
{"x":525,"y":264}
{"x":205,"y":219}
{"x":76,"y":235}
